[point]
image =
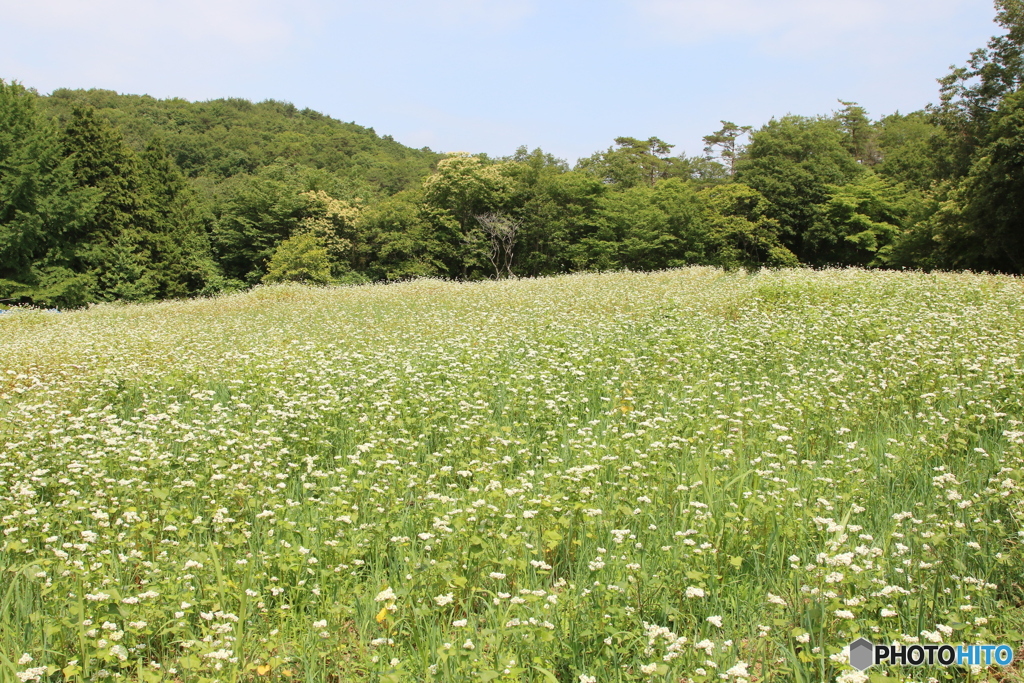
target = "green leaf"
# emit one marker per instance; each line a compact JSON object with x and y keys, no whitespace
{"x":548,"y":676}
{"x":189,"y":662}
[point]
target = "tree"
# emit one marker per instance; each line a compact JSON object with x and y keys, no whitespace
{"x":257,"y":213}
{"x":739,"y":230}
{"x":647,"y":228}
{"x":631,"y":162}
{"x":559,"y":211}
{"x":301,"y":258}
{"x":462,"y":188}
{"x":972,"y":94}
{"x":861,"y":135}
{"x":860,"y":221}
{"x":114,"y":247}
{"x":703,"y":171}
{"x":502,"y":232}
{"x":180,"y":248}
{"x":41,"y":207}
{"x":911,"y":147}
{"x":795,"y":162}
{"x":993,"y":195}
{"x":400,"y":239}
{"x":724,"y":144}
{"x":334,"y":223}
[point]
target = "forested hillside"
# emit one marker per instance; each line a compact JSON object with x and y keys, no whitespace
{"x":106,"y":196}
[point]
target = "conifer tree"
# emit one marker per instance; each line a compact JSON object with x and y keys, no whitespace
{"x":114,"y":247}
{"x":41,"y":205}
{"x":180,"y":244}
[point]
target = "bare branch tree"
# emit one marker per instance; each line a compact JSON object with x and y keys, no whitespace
{"x":502,"y":231}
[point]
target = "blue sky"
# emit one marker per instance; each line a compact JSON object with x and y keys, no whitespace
{"x":489,"y":75}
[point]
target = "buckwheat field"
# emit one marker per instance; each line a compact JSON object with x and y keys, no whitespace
{"x":680,"y":476}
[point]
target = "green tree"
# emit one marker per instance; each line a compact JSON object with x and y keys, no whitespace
{"x":301,"y":258}
{"x":724,"y":144}
{"x":993,"y":196}
{"x":739,"y":231}
{"x":861,"y":135}
{"x":631,"y":162}
{"x":559,"y":212}
{"x":114,"y":248}
{"x":647,"y":228}
{"x":180,"y":246}
{"x":795,"y":162}
{"x":400,"y":239}
{"x":462,"y":188}
{"x":335,"y":223}
{"x":257,"y":213}
{"x":911,"y":148}
{"x":860,"y":221}
{"x":41,"y":206}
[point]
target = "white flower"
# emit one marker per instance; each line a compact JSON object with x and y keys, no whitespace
{"x":320,"y":624}
{"x":738,"y":670}
{"x":776,"y":600}
{"x":706,"y":645}
{"x":25,"y":659}
{"x":460,"y":623}
{"x":468,"y":645}
{"x":584,"y":678}
{"x":715,"y":620}
{"x":694,"y":592}
{"x":498,"y":576}
{"x":386,"y":595}
{"x":34,"y":674}
{"x":852,"y":676}
{"x":649,"y":668}
{"x":445,"y":599}
{"x":844,"y":614}
{"x":886,"y":613}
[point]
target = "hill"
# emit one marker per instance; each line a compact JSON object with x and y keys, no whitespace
{"x":226,"y":137}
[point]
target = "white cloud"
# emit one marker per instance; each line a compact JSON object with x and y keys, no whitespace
{"x":791,"y":26}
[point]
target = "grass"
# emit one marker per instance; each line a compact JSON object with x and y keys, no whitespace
{"x":677,"y":476}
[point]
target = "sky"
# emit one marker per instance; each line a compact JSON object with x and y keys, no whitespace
{"x":567,"y":76}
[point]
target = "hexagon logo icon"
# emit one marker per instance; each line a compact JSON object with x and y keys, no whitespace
{"x":862,"y":654}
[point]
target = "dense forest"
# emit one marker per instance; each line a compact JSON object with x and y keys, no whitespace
{"x":122,"y":197}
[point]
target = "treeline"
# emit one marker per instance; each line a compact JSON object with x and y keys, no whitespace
{"x":106,"y":196}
